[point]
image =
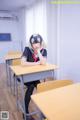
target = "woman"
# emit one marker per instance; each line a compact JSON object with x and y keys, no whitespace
{"x":36,"y":55}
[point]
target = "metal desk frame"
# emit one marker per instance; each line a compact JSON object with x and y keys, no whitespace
{"x":8,"y":62}
{"x":28,"y":78}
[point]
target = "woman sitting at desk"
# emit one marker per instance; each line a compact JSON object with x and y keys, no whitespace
{"x":36,"y":55}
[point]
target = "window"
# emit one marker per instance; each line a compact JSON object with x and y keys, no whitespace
{"x":36,"y":20}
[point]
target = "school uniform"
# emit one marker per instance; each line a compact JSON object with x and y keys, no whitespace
{"x":31,"y":57}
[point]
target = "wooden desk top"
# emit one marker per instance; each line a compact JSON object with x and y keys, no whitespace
{"x":61,"y":103}
{"x":21,"y":70}
{"x":12,"y":56}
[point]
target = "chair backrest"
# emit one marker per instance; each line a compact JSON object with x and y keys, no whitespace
{"x":16,"y":61}
{"x":14,"y":52}
{"x":48,"y":85}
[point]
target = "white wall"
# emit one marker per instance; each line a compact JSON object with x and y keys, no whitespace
{"x":63,"y":39}
{"x":52,"y":32}
{"x":9,"y":26}
{"x":22,"y":28}
{"x":69,"y":49}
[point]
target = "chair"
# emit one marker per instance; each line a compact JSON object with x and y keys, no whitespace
{"x":48,"y":85}
{"x":14,"y":52}
{"x":16,"y":61}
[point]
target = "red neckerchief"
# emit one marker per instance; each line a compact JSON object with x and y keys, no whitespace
{"x":34,"y":56}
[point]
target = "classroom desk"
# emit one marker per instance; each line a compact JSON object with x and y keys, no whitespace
{"x":61,"y":103}
{"x":31,"y":73}
{"x":8,"y":60}
{"x":10,"y":57}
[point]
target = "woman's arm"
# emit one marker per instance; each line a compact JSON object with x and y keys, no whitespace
{"x":42,"y":58}
{"x":24,"y":62}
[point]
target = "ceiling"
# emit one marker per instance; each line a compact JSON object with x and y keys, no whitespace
{"x":14,"y":4}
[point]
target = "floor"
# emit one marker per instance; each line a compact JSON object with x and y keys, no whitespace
{"x":8,"y":100}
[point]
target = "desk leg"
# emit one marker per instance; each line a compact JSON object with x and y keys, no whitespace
{"x":23,"y":95}
{"x":10,"y":79}
{"x":14,"y":84}
{"x":20,"y":105}
{"x":8,"y":62}
{"x":7,"y":73}
{"x":16,"y":88}
{"x":53,"y":75}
